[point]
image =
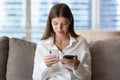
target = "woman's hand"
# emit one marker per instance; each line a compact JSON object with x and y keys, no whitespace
{"x":71,"y":62}
{"x":50,"y":60}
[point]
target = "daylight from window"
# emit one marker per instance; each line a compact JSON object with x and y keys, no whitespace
{"x":26,"y":19}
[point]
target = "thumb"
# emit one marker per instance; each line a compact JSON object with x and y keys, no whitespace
{"x":75,"y":57}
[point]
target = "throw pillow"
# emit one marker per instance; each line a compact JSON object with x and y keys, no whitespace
{"x":20,"y":60}
{"x":106,"y":59}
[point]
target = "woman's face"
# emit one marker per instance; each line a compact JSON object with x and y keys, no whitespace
{"x":60,"y":25}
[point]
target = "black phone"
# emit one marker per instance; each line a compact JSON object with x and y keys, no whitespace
{"x":68,"y":56}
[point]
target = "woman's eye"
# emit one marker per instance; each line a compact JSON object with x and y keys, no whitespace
{"x":54,"y":23}
{"x":64,"y":23}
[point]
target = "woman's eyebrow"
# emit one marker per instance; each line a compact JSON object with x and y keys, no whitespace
{"x":62,"y":22}
{"x":53,"y":21}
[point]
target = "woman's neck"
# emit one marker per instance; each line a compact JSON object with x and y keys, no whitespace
{"x":60,"y":39}
{"x":62,"y":42}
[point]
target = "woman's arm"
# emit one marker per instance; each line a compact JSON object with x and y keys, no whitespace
{"x":39,"y":65}
{"x":83,"y":70}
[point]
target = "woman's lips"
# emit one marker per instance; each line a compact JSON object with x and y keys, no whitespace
{"x":60,"y":31}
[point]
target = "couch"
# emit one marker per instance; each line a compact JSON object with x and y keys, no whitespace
{"x":17,"y":59}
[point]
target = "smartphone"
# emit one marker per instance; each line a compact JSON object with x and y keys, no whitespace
{"x":54,"y":52}
{"x":68,"y":56}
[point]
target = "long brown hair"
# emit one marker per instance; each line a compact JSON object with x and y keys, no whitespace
{"x":58,"y":10}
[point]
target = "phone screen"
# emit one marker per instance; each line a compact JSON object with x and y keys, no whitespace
{"x":54,"y":52}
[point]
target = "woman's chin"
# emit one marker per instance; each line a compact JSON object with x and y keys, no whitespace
{"x":60,"y":34}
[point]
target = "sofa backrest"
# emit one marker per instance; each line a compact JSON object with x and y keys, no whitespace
{"x":4,"y":46}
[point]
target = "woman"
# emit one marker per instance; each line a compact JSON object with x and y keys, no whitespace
{"x":58,"y":40}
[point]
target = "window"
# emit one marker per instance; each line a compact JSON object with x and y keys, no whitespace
{"x":110,"y":14}
{"x":26,"y":19}
{"x":12,"y":18}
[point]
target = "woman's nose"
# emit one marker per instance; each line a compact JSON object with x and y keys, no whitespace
{"x":60,"y":26}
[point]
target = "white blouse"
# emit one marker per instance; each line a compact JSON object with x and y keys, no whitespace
{"x":60,"y":71}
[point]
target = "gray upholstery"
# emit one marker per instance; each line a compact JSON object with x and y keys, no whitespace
{"x":4,"y":45}
{"x":106,"y":59}
{"x":20,"y":61}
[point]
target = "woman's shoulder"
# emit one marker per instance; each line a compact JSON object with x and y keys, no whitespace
{"x":81,"y":38}
{"x":45,"y":41}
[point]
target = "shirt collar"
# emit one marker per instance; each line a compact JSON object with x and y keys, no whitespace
{"x":72,"y":40}
{"x":50,"y":40}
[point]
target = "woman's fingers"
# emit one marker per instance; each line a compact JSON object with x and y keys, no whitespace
{"x":50,"y":60}
{"x":71,"y":62}
{"x":67,"y":61}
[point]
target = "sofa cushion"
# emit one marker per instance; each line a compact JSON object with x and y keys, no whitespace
{"x":106,"y":59}
{"x":20,"y":60}
{"x":4,"y":46}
